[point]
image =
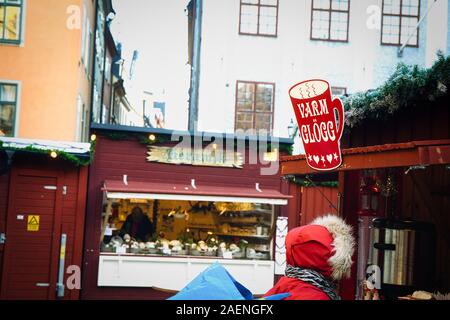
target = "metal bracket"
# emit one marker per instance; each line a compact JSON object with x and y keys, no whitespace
{"x":415,"y":168}
{"x":42,"y":284}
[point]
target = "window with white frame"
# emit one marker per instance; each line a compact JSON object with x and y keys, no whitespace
{"x":8,"y":108}
{"x":85,"y":124}
{"x":11,"y":21}
{"x":338,"y":91}
{"x":89,"y":55}
{"x":86,"y":42}
{"x":82,"y":120}
{"x":108,"y":69}
{"x":79,"y":117}
{"x":83,"y":34}
{"x":399,"y":22}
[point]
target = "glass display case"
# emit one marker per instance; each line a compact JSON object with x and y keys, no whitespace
{"x":226,"y":230}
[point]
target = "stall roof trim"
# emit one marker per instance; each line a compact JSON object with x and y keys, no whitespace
{"x":414,"y":153}
{"x":146,"y":130}
{"x":362,"y":150}
{"x":116,"y":189}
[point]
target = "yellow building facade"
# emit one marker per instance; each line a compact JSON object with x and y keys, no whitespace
{"x":46,"y":53}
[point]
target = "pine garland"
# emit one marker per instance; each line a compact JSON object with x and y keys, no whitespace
{"x":74,"y":159}
{"x":282,"y":148}
{"x":408,"y":87}
{"x":116,"y":135}
{"x":164,"y":138}
{"x":159,"y":138}
{"x":309,"y":183}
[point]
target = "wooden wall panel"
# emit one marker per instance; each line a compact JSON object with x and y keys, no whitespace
{"x":294,"y":206}
{"x":4,"y":186}
{"x":72,"y":206}
{"x":425,"y":122}
{"x":349,"y":211}
{"x":426,"y":197}
{"x":317,"y":201}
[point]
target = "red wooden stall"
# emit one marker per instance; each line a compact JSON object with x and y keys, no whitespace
{"x":121,"y":154}
{"x":40,"y":200}
{"x":414,"y":146}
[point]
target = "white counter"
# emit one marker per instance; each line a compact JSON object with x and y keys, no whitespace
{"x":174,"y":273}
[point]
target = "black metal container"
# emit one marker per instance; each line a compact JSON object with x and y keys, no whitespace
{"x":405,"y":252}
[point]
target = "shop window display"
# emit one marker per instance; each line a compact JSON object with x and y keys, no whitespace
{"x":188,"y":228}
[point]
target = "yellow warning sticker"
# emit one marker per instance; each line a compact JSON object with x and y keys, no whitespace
{"x":33,"y":223}
{"x":62,"y":253}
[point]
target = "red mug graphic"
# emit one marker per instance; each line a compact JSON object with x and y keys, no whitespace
{"x":315,"y":110}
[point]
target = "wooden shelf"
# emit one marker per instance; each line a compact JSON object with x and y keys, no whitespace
{"x":243,"y":236}
{"x":236,"y":222}
{"x":200,"y":227}
{"x":250,"y":212}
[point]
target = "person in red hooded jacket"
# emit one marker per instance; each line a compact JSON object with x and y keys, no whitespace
{"x":317,"y":256}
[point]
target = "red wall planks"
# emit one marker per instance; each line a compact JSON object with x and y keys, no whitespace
{"x":4,"y":185}
{"x":294,"y":206}
{"x":425,"y":196}
{"x":309,"y":203}
{"x":316,"y":202}
{"x":428,"y":122}
{"x":72,"y":204}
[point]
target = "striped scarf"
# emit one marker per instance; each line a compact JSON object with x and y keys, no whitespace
{"x":314,"y":278}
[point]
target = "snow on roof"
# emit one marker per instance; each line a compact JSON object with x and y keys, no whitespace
{"x":69,"y":147}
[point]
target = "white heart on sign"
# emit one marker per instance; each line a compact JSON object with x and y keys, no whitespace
{"x":330,"y":158}
{"x":316,"y":159}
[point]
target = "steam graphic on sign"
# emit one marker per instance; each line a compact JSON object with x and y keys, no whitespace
{"x":320,"y":120}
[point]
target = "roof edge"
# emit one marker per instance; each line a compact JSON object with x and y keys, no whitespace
{"x":146,"y":130}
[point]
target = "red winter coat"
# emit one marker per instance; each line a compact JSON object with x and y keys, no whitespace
{"x":307,"y":247}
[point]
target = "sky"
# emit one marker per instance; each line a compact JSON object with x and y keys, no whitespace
{"x":158,"y":30}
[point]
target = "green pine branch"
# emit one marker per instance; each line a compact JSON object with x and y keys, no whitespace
{"x":407,"y":87}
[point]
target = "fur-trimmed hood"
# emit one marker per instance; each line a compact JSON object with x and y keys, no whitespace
{"x":325,"y":245}
{"x":343,"y":244}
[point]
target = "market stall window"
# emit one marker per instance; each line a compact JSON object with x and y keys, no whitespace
{"x":232,"y":230}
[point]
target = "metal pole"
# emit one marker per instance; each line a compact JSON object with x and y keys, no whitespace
{"x":195,"y":72}
{"x":400,"y":51}
{"x":62,"y":257}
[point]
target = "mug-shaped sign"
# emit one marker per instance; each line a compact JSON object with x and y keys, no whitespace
{"x":320,"y":120}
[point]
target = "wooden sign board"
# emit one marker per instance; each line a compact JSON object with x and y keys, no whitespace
{"x":320,"y":131}
{"x":202,"y":157}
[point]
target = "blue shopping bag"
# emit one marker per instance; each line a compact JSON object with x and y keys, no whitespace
{"x":216,"y":283}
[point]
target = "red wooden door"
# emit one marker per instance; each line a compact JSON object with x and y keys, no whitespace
{"x":31,"y":256}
